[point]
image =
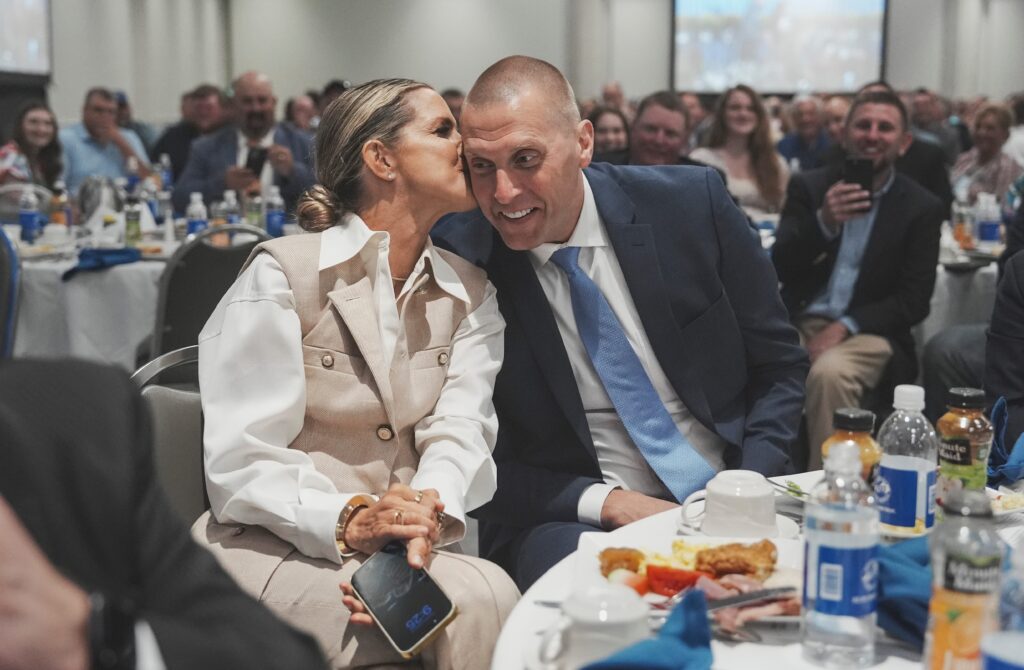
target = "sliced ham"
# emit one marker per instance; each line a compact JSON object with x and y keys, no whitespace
{"x":715,"y":590}
{"x":741,"y":583}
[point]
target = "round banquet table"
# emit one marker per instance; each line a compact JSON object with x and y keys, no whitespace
{"x":519,"y":639}
{"x":99,"y":315}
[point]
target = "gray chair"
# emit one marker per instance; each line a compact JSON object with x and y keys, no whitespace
{"x":10,"y":286}
{"x":177,"y":423}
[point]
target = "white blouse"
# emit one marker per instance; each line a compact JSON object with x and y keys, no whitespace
{"x":254,"y":397}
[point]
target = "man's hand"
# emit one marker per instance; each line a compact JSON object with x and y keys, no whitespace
{"x":843,"y":202}
{"x":239,"y":179}
{"x":281,"y":160}
{"x":827,"y":337}
{"x":622,"y":507}
{"x":43,"y":616}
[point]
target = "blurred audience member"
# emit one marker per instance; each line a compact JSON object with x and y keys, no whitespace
{"x":804,"y":146}
{"x":34,"y":154}
{"x":219,"y":161}
{"x":930,"y":123}
{"x":125,"y":119}
{"x":299,"y":112}
{"x":836,"y":107}
{"x":202,"y":111}
{"x":1014,"y":146}
{"x":778,"y":121}
{"x":740,"y":144}
{"x":454,"y":98}
{"x":985,"y":168}
{"x":612,"y":96}
{"x":700,"y":120}
{"x":1004,"y":349}
{"x":611,"y":131}
{"x":96,"y":146}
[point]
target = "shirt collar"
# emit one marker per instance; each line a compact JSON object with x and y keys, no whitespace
{"x":265,"y":141}
{"x":886,"y":186}
{"x":351,"y":236}
{"x":588,"y":231}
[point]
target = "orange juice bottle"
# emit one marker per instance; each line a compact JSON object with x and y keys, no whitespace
{"x":855,"y":425}
{"x":966,"y":561}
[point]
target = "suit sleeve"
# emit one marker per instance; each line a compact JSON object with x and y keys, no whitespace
{"x":200,"y":617}
{"x":776,"y":363}
{"x":200,"y":176}
{"x":302,"y":176}
{"x":1004,"y":350}
{"x":799,"y":243}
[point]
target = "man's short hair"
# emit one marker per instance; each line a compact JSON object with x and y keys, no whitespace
{"x":452,"y":93}
{"x":336,"y":87}
{"x":204,"y":91}
{"x":879,"y":98}
{"x":101,"y":93}
{"x":507,"y":79}
{"x":878,"y":83}
{"x":666,"y":99}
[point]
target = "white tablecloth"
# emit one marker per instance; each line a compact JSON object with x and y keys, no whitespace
{"x":521,"y":635}
{"x":100,"y":315}
{"x":958,"y":298}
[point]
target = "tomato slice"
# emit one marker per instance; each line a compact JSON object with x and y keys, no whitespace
{"x":668,"y":581}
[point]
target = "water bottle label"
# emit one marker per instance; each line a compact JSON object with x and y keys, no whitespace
{"x":966,"y":574}
{"x":196,"y":225}
{"x":233,"y":219}
{"x":988,"y":231}
{"x":275,"y":223}
{"x":846,"y":581}
{"x":29,"y":220}
{"x":896,"y":495}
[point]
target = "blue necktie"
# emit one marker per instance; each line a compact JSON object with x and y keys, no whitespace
{"x":644,"y":416}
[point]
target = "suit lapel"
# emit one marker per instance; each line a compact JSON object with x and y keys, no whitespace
{"x":637,"y":255}
{"x":889,"y":221}
{"x":354,"y":303}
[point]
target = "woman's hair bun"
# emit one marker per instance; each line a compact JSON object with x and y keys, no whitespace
{"x":318,"y":209}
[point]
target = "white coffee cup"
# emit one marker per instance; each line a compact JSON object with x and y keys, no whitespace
{"x":599,"y":621}
{"x":737,"y":503}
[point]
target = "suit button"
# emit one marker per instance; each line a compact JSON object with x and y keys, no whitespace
{"x":442,"y":358}
{"x":327,"y":360}
{"x":238,"y":531}
{"x":385,"y":432}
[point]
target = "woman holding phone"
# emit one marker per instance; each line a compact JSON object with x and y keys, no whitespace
{"x":346,"y":383}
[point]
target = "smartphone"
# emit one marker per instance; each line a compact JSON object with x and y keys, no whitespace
{"x":407,"y":604}
{"x":257,"y":157}
{"x":860,"y":171}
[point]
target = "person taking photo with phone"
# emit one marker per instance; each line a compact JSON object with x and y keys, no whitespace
{"x":347,"y":382}
{"x":857,"y":264}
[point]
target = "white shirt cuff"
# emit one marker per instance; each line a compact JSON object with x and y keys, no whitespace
{"x":147,"y":651}
{"x":589,"y":507}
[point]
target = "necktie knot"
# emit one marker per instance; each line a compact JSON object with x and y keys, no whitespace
{"x":567,"y":258}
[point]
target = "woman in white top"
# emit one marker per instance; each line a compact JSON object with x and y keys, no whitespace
{"x":740,"y":145}
{"x":346,"y":382}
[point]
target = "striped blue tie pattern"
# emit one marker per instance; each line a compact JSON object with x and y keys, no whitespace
{"x":641,"y":410}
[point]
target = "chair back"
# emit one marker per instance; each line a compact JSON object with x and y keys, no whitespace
{"x":196,"y":277}
{"x":176,"y":414}
{"x":10,"y":284}
{"x":10,"y":200}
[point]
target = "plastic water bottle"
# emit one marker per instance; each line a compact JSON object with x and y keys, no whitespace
{"x":275,"y":212}
{"x":254,"y":211}
{"x":28,"y":215}
{"x":133,"y":221}
{"x":1011,"y":596}
{"x":60,"y":206}
{"x":905,"y":484}
{"x":840,"y":566}
{"x":196,"y":214}
{"x":232,"y":213}
{"x":133,"y":174}
{"x":166,"y":173}
{"x":988,"y":222}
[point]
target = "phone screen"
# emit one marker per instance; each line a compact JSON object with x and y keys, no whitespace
{"x":257,"y":157}
{"x":860,"y":171}
{"x":406,"y":602}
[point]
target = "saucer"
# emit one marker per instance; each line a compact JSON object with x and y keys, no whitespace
{"x":788,"y":529}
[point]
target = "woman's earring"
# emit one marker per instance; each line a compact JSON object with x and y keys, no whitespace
{"x":391,"y":175}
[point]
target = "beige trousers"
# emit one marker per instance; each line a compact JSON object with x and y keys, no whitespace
{"x":838,"y":379}
{"x":304,"y":592}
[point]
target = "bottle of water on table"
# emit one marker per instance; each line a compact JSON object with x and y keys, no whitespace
{"x":28,"y":215}
{"x":196,"y":214}
{"x":275,"y":212}
{"x":840,"y":566}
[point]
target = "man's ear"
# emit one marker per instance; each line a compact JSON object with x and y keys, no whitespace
{"x":379,"y":160}
{"x":905,"y":142}
{"x":585,"y":138}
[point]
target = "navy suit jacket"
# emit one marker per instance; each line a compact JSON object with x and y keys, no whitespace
{"x":708,"y":299}
{"x":213,"y":154}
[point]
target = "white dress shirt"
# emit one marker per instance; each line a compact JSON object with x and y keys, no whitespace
{"x":622,"y":464}
{"x":266,"y":175}
{"x":254,"y":397}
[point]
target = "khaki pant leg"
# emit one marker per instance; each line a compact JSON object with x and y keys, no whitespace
{"x":838,"y":379}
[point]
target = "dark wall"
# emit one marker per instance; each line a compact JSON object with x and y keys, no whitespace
{"x":12,"y":97}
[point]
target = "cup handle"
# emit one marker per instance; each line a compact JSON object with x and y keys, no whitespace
{"x":690,"y":499}
{"x":553,"y":643}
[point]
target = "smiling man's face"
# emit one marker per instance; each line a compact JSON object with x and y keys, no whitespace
{"x":525,"y":164}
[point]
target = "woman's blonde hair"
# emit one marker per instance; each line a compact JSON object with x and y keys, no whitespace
{"x":374,"y":110}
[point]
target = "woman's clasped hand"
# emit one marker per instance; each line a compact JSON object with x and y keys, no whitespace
{"x":401,"y":514}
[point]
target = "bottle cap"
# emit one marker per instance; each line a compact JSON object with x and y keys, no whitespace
{"x":195,"y":197}
{"x":908,"y":396}
{"x":843,"y":457}
{"x":852,"y":418}
{"x":966,"y":503}
{"x":965,"y":397}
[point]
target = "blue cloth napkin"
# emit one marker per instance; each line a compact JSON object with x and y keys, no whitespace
{"x":904,"y":589}
{"x":97,"y":259}
{"x":1005,"y":466}
{"x":683,"y":643}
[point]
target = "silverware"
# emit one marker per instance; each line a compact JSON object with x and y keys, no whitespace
{"x":800,"y":494}
{"x":664,"y":608}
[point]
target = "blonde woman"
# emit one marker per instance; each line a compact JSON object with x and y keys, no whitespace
{"x":346,"y":381}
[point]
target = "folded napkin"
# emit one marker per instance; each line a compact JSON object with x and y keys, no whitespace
{"x":904,"y":589}
{"x":97,"y":259}
{"x":683,"y":643}
{"x":1005,"y":466}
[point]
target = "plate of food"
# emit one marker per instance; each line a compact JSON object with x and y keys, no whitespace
{"x":720,"y":567}
{"x":1005,"y":501}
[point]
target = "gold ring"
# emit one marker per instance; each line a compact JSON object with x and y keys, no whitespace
{"x":419,"y":496}
{"x":398,"y":517}
{"x":441,"y":518}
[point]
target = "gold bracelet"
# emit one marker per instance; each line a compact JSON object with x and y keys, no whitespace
{"x":355,"y":503}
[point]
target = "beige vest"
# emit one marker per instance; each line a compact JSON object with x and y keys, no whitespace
{"x":360,"y":408}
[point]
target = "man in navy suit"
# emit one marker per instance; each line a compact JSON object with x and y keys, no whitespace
{"x":221,"y":161}
{"x":672,"y":266}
